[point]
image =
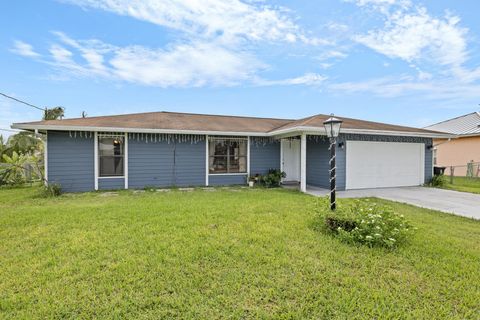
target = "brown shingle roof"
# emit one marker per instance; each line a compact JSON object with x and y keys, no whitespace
{"x":349,"y":123}
{"x":209,"y":123}
{"x":174,"y":121}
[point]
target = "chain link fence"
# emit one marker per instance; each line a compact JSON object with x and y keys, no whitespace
{"x":469,"y":170}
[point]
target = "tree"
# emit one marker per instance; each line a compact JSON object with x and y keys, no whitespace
{"x":54,"y":113}
{"x":20,"y":168}
{"x":13,"y":170}
{"x":23,"y":143}
{"x":3,"y":147}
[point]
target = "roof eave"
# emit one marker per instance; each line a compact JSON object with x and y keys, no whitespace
{"x":275,"y":133}
{"x":26,"y":126}
{"x":400,"y":133}
{"x":321,"y":131}
{"x":468,"y":135}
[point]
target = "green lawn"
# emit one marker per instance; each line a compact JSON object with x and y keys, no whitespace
{"x":236,"y":253}
{"x":463,"y":184}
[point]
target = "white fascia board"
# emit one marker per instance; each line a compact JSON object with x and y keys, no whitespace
{"x":277,"y":133}
{"x":468,"y":135}
{"x":398,"y":133}
{"x":321,"y":131}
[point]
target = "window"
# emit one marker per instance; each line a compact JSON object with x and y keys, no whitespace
{"x":111,"y":156}
{"x":227,"y":155}
{"x":434,"y":156}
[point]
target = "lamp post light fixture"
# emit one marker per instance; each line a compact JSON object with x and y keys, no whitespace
{"x":332,"y":128}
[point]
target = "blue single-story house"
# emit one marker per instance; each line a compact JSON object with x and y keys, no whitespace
{"x":163,"y":149}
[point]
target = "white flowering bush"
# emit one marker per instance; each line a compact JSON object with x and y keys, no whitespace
{"x":368,"y":223}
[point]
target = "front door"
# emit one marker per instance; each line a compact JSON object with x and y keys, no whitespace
{"x":291,"y":159}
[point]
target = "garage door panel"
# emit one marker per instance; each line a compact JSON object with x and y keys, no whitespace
{"x":384,"y":164}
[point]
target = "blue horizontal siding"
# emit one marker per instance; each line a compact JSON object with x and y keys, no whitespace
{"x":190,"y":164}
{"x":224,"y":180}
{"x":71,"y":161}
{"x":264,"y":155}
{"x":318,"y":165}
{"x":163,"y":164}
{"x":428,"y":161}
{"x":182,"y":163}
{"x":111,"y":183}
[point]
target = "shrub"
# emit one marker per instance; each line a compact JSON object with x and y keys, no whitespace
{"x":273,"y":178}
{"x":51,"y":190}
{"x":438,"y":181}
{"x":366,"y":222}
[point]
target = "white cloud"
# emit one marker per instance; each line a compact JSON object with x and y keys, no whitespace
{"x":393,"y":87}
{"x":190,"y":64}
{"x":230,"y":20}
{"x":214,"y":46}
{"x":403,"y":3}
{"x":308,"y":79}
{"x":465,"y":74}
{"x":326,"y":65}
{"x":413,"y":36}
{"x":337,"y":27}
{"x":92,"y":52}
{"x":195,"y":64}
{"x":61,"y":55}
{"x":24,"y":49}
{"x":384,"y":6}
{"x":62,"y":59}
{"x":410,"y":33}
{"x":422,"y":75}
{"x":331,"y":54}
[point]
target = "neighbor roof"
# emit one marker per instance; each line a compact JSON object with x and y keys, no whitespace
{"x":466,"y":125}
{"x":173,"y":122}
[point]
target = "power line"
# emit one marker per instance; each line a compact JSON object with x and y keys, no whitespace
{"x":26,"y":103}
{"x":10,"y":130}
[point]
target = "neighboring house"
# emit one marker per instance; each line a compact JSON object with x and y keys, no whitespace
{"x":163,"y":149}
{"x":462,"y":150}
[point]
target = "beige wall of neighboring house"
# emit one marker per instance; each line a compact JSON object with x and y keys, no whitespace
{"x":457,"y":152}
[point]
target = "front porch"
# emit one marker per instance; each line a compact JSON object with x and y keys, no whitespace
{"x":305,"y":160}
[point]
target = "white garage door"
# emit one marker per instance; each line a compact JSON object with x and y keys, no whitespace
{"x":384,"y":164}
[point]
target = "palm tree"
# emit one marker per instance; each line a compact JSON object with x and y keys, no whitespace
{"x":54,"y":113}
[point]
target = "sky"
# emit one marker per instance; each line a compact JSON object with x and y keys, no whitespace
{"x":396,"y":61}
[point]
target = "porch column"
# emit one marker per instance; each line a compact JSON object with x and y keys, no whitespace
{"x":303,"y":163}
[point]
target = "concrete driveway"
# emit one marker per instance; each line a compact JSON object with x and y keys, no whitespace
{"x":459,"y":203}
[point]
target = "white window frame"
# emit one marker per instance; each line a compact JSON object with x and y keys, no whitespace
{"x":97,"y":157}
{"x":247,"y":172}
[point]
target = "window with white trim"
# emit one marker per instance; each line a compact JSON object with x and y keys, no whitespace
{"x":111,"y":154}
{"x":227,"y":155}
{"x":434,"y":156}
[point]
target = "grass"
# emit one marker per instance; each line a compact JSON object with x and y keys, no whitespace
{"x":236,"y":253}
{"x":463,"y":184}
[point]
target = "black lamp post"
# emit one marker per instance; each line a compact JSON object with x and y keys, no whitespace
{"x":332,"y":128}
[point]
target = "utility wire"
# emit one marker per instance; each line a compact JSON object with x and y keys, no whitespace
{"x":10,"y":130}
{"x":26,"y":103}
